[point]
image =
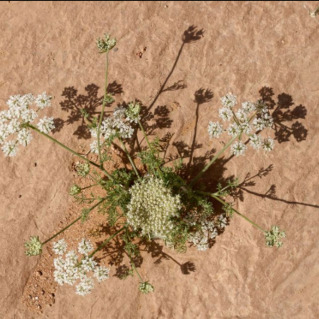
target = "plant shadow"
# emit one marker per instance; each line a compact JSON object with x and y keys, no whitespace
{"x":157,"y":117}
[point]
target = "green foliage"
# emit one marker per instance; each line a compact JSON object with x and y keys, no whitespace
{"x":85,"y":214}
{"x":151,"y":157}
{"x":117,"y":194}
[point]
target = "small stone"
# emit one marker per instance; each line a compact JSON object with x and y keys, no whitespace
{"x":42,"y":292}
{"x":36,"y":298}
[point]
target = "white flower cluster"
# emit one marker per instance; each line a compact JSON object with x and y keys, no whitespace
{"x":202,"y":237}
{"x":250,"y":120}
{"x":111,"y":127}
{"x":13,"y":129}
{"x":151,"y":208}
{"x":106,"y":44}
{"x":274,"y":236}
{"x":207,"y":231}
{"x":70,"y":269}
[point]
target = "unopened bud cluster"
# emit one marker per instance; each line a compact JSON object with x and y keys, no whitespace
{"x":274,"y":236}
{"x":105,"y":44}
{"x":151,"y":208}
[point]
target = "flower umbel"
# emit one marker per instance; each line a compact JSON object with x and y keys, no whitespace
{"x":33,"y":246}
{"x":145,"y":287}
{"x":274,"y":236}
{"x":106,"y":44}
{"x":151,"y":207}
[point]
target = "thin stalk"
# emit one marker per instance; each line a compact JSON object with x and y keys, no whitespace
{"x":129,"y":157}
{"x":235,"y":117}
{"x":144,"y":133}
{"x":68,"y":149}
{"x":236,"y":211}
{"x":149,"y":144}
{"x":105,"y":242}
{"x":133,"y":266}
{"x":102,"y":112}
{"x":199,"y":175}
{"x":89,"y":186}
{"x":62,"y":230}
{"x":72,"y":223}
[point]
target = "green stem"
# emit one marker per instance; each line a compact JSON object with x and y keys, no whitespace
{"x":89,"y":186}
{"x":72,"y":223}
{"x":199,"y":175}
{"x":102,"y":112}
{"x":149,"y":145}
{"x":235,"y":210}
{"x":105,"y":242}
{"x":68,"y":149}
{"x":133,"y":266}
{"x":129,"y":157}
{"x":61,"y":231}
{"x":144,"y":133}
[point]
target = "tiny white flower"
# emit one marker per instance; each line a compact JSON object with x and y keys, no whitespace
{"x":59,"y":277}
{"x":94,"y":147}
{"x":238,"y":148}
{"x":27,"y":99}
{"x":246,"y":128}
{"x":85,"y":286}
{"x":46,"y":125}
{"x":85,"y":247}
{"x":10,"y":148}
{"x":241,"y":116}
{"x":225,"y":114}
{"x":59,"y":263}
{"x":215,"y":129}
{"x":268,"y":144}
{"x":233,"y":130}
{"x":248,"y":107}
{"x":88,"y":264}
{"x":229,"y":100}
{"x":24,"y":137}
{"x":255,"y":141}
{"x":13,"y":126}
{"x":43,"y":100}
{"x":259,"y":124}
{"x":59,"y":247}
{"x":101,"y":273}
{"x":222,"y":221}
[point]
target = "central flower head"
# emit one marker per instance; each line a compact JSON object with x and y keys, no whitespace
{"x":152,"y":207}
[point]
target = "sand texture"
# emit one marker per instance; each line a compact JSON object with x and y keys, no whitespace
{"x":253,"y":49}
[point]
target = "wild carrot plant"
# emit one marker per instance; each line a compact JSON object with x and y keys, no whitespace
{"x":154,"y":203}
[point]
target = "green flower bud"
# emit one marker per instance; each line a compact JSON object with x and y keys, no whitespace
{"x":74,"y":190}
{"x":106,"y":44}
{"x":82,"y":169}
{"x":33,"y":246}
{"x":145,"y":287}
{"x":273,"y":237}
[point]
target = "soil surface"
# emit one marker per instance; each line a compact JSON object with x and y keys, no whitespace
{"x":178,"y":59}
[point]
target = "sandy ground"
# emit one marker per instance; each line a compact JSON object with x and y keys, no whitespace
{"x":244,"y":47}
